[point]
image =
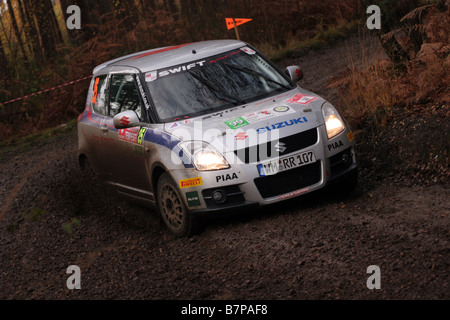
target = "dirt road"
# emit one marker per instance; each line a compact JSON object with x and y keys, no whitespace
{"x":316,"y":247}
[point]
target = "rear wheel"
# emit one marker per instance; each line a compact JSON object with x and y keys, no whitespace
{"x":172,"y":209}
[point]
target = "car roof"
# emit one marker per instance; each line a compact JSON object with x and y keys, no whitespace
{"x":164,"y":57}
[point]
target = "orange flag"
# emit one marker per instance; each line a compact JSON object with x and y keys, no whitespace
{"x":238,"y":21}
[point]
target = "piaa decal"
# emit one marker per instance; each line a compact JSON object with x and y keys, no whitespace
{"x":335,"y":145}
{"x":226,"y":177}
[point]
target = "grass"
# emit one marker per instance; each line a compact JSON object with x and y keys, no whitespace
{"x":368,"y":93}
{"x":38,"y":138}
{"x":69,"y":227}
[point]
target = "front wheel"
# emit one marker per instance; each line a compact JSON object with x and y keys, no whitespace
{"x":172,"y":209}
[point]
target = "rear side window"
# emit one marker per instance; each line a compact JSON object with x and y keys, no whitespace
{"x":99,"y":95}
{"x":124,"y":95}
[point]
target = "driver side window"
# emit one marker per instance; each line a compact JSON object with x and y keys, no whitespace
{"x":124,"y":95}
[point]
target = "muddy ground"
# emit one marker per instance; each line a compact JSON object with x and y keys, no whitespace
{"x":315,"y":247}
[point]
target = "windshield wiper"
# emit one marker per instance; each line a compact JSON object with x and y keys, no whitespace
{"x":210,"y":85}
{"x":256,"y":73}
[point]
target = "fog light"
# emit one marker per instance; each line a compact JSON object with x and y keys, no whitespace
{"x":219,"y":196}
{"x":346,"y":159}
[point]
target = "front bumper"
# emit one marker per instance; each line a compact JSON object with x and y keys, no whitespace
{"x":244,"y":188}
{"x":227,"y":209}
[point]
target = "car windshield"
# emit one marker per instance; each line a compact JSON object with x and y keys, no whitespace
{"x":215,"y":83}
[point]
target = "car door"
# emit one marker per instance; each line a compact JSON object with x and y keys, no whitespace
{"x":95,"y":133}
{"x":127,"y":158}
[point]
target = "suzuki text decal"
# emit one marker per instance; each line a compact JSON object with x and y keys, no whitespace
{"x":283,"y":124}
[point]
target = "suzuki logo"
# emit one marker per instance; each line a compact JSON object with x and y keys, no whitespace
{"x":280,"y":147}
{"x":241,"y":136}
{"x":125,"y":121}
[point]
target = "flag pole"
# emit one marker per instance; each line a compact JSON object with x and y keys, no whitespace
{"x":236,"y":29}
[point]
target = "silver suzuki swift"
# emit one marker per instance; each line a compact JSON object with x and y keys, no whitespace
{"x":210,"y":127}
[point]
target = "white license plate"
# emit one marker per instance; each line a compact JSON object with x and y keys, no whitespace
{"x":286,"y":163}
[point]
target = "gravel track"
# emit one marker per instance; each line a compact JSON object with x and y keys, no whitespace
{"x":315,"y":247}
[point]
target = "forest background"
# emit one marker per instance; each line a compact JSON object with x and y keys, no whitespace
{"x":38,"y":52}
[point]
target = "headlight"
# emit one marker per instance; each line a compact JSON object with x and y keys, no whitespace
{"x":333,"y":121}
{"x":204,"y":156}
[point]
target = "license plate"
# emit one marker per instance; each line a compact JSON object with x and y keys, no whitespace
{"x":286,"y":163}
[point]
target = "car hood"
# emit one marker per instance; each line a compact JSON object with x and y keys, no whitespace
{"x":254,"y":123}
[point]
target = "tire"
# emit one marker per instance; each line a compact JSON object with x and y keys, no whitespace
{"x":345,"y":184}
{"x":87,"y":170}
{"x":350,"y":181}
{"x":172,"y":209}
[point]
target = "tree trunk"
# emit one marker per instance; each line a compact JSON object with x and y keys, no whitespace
{"x":125,"y":12}
{"x":25,"y":25}
{"x":4,"y":74}
{"x":17,"y":33}
{"x":48,"y":29}
{"x":171,"y":7}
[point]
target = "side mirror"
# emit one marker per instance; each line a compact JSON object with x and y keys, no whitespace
{"x":294,"y":73}
{"x":126,"y":119}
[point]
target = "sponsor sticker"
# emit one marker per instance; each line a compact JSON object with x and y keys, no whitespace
{"x":237,"y":123}
{"x":151,"y":76}
{"x":128,"y":135}
{"x":174,"y":125}
{"x":94,"y":96}
{"x":192,"y":182}
{"x":301,"y":99}
{"x":281,"y":110}
{"x":350,"y":136}
{"x":293,"y":194}
{"x":143,"y":95}
{"x":193,"y":199}
{"x":335,"y":145}
{"x":247,"y":50}
{"x":226,"y":177}
{"x":141,"y":135}
{"x":258,"y":116}
{"x":138,"y":150}
{"x":253,"y":117}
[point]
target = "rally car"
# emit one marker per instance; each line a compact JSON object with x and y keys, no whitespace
{"x":210,"y":127}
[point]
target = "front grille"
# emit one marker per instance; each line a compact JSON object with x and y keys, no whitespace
{"x":290,"y":180}
{"x":268,"y":150}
